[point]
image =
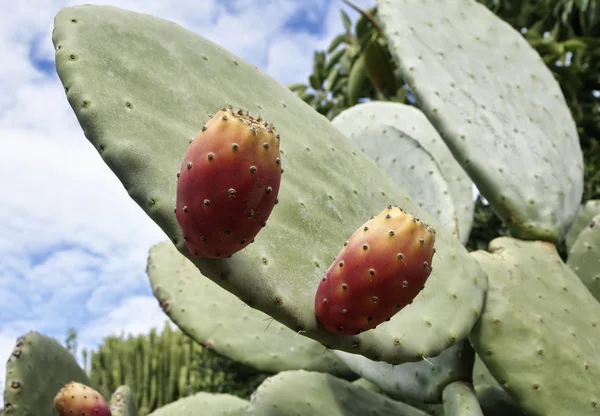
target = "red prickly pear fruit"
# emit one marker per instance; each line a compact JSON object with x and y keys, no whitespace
{"x":381,"y":269}
{"x":228,"y":183}
{"x":81,"y":400}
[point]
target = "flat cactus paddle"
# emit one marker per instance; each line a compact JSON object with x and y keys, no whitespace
{"x":539,"y":329}
{"x":38,"y":367}
{"x":385,"y":130}
{"x":496,"y":105}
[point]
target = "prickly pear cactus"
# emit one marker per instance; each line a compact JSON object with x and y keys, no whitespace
{"x":412,"y":167}
{"x":539,"y":321}
{"x":422,"y":381}
{"x":585,"y":214}
{"x":584,"y":256}
{"x":122,"y":402}
{"x":494,"y":401}
{"x":496,"y":105}
{"x":460,"y":400}
{"x":114,"y":63}
{"x":366,"y":384}
{"x":318,"y":394}
{"x":38,"y":367}
{"x":383,"y":129}
{"x":214,"y":404}
{"x":218,"y":320}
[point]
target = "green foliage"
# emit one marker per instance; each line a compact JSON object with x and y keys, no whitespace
{"x":161,"y":368}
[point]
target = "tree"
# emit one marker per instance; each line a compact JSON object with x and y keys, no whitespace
{"x":71,"y":341}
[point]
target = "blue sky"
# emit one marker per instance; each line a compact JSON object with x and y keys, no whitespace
{"x":73,"y":244}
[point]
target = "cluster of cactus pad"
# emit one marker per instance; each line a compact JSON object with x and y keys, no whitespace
{"x":404,"y":320}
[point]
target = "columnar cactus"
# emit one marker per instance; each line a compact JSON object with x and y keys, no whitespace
{"x":505,"y":126}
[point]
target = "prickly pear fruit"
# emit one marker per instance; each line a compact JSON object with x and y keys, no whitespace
{"x":228,"y":183}
{"x":81,"y":400}
{"x":381,"y":269}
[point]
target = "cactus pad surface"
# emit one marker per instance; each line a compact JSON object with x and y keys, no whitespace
{"x":38,"y":367}
{"x":494,"y":401}
{"x":220,"y":321}
{"x":318,"y":394}
{"x":539,"y":330}
{"x":460,"y":400}
{"x":122,"y":402}
{"x":585,"y":214}
{"x":385,"y":131}
{"x":584,"y":256}
{"x":422,"y":381}
{"x":214,"y":404}
{"x":497,"y":106}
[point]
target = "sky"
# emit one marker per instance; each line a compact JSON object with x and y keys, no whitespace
{"x":73,"y":245}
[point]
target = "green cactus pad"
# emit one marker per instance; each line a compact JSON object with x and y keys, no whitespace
{"x":584,"y":256}
{"x":309,"y":393}
{"x":122,"y":402}
{"x":460,"y":400}
{"x":203,"y":403}
{"x":494,"y":401}
{"x":366,"y":384}
{"x":413,"y":123}
{"x":38,"y":367}
{"x":218,"y":320}
{"x":586,"y":212}
{"x":539,"y":330}
{"x":497,"y":106}
{"x":141,"y":87}
{"x":422,"y":381}
{"x":409,"y":164}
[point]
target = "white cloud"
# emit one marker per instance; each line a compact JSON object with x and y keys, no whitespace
{"x":135,"y":315}
{"x":73,"y":244}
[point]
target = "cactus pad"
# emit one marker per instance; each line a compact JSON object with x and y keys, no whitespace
{"x":381,"y":129}
{"x":122,"y":402}
{"x":220,"y":321}
{"x":141,"y":87}
{"x":584,"y":256}
{"x":460,"y":400}
{"x":539,"y":330}
{"x":497,"y":106}
{"x":494,"y":401}
{"x":214,"y":404}
{"x":423,"y":381}
{"x":586,"y":212}
{"x":38,"y":367}
{"x":318,"y":394}
{"x":408,"y":163}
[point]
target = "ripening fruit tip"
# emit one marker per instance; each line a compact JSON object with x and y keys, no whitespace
{"x":381,"y":269}
{"x":81,"y":400}
{"x":228,"y":183}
